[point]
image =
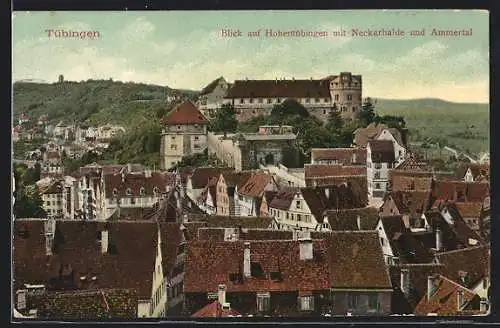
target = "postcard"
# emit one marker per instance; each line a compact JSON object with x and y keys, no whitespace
{"x":237,"y":164}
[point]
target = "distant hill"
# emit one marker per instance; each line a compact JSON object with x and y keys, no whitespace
{"x":93,"y":101}
{"x":391,"y":105}
{"x":464,"y":126}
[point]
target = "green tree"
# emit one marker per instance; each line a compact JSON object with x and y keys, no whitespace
{"x":335,"y":121}
{"x":391,"y":121}
{"x":367,"y":113}
{"x":32,"y":175}
{"x":29,"y":203}
{"x":289,"y":107}
{"x":225,"y":120}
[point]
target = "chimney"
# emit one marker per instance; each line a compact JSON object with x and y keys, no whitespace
{"x":104,"y":241}
{"x":246,"y":261}
{"x":306,"y":246}
{"x":431,"y":285}
{"x":123,"y":177}
{"x":222,"y":294}
{"x":327,"y":192}
{"x":460,"y":300}
{"x":405,"y":281}
{"x":129,"y":167}
{"x":147,"y":173}
{"x":483,"y":307}
{"x":358,"y":221}
{"x":439,"y":239}
{"x":406,"y":221}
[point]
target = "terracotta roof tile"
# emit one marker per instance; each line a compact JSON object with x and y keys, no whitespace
{"x":283,"y":198}
{"x":171,"y":237}
{"x":344,"y":156}
{"x":444,"y":301}
{"x":234,"y":179}
{"x":201,"y":175}
{"x":470,"y":209}
{"x":346,"y":219}
{"x":413,"y":164}
{"x":257,"y":184}
{"x":363,"y":135}
{"x":279,"y":88}
{"x":215,"y":309}
{"x":406,"y":181}
{"x":245,"y":234}
{"x":382,"y":151}
{"x":76,"y":248}
{"x":216,"y":260}
{"x":325,"y":170}
{"x":461,"y":191}
{"x":478,"y":171}
{"x":133,"y":182}
{"x":414,"y":203}
{"x":85,"y":305}
{"x":185,"y":113}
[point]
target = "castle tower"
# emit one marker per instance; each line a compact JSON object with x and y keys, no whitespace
{"x":346,"y":93}
{"x":61,"y":78}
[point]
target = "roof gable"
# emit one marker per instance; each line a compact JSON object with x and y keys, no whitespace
{"x":185,"y":113}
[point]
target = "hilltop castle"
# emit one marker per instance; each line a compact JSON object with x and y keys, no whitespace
{"x":257,"y":97}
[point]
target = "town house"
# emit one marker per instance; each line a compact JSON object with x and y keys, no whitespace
{"x":225,"y":190}
{"x":317,"y":175}
{"x":412,"y":205}
{"x":198,"y":179}
{"x":376,"y":131}
{"x":266,"y":277}
{"x":338,"y":156}
{"x":59,"y":197}
{"x":473,"y":172}
{"x":248,"y":198}
{"x":135,"y":189}
{"x":74,"y":255}
{"x":379,"y":159}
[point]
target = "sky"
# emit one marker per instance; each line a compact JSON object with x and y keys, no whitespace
{"x":186,"y":49}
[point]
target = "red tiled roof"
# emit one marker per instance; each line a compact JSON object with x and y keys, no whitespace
{"x":133,"y":182}
{"x":477,"y":170}
{"x":256,"y":184}
{"x":279,"y":88}
{"x":326,"y":170}
{"x":444,"y":301}
{"x":382,"y":151}
{"x":346,"y":219}
{"x":202,"y":175}
{"x":185,"y":113}
{"x":283,"y":199}
{"x":461,"y":191}
{"x":406,"y":181}
{"x":344,"y":156}
{"x":470,"y":209}
{"x":215,"y":309}
{"x":414,"y":203}
{"x":76,"y":249}
{"x":171,"y":237}
{"x":413,"y":164}
{"x":216,"y":260}
{"x":236,"y":178}
{"x":363,"y":135}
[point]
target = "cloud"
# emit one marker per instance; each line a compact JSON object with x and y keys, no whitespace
{"x":139,"y":29}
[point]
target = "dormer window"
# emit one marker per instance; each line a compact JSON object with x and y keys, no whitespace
{"x":129,"y":192}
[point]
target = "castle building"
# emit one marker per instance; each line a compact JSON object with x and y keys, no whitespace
{"x":212,"y":96}
{"x":184,"y":133}
{"x":341,"y":92}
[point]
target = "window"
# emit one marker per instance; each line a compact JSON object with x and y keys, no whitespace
{"x":377,"y":186}
{"x":337,"y":97}
{"x":316,"y":100}
{"x":196,"y":138}
{"x":308,"y":100}
{"x":263,"y":302}
{"x":382,"y":241}
{"x":251,"y":100}
{"x":173,"y":147}
{"x":353,"y":109}
{"x":178,"y":127}
{"x":349,"y":97}
{"x":129,"y":191}
{"x":241,"y":101}
{"x":378,"y":166}
{"x":142,"y":191}
{"x":297,"y":204}
{"x":352,"y":301}
{"x":299,"y":217}
{"x":326,"y":100}
{"x":376,"y":175}
{"x":279,"y":100}
{"x":324,"y":112}
{"x":287,"y":215}
{"x":115,"y":192}
{"x":132,"y":200}
{"x":306,"y":303}
{"x":269,"y":100}
{"x":373,"y":302}
{"x":261,"y":100}
{"x":485,"y":283}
